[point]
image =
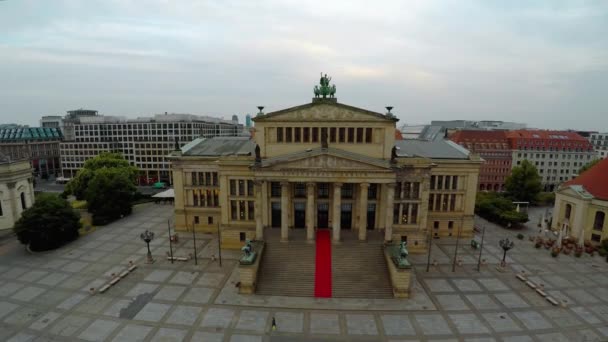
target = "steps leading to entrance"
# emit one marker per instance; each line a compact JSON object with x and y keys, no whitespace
{"x":359,"y":271}
{"x":288,"y":269}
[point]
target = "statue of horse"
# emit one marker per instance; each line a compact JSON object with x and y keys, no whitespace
{"x":403,"y":253}
{"x":332,"y":90}
{"x":247,"y":248}
{"x":317,"y":91}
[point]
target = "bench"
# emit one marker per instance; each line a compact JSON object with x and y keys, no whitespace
{"x":531,"y":284}
{"x":541,"y":292}
{"x":521,"y":277}
{"x":552,"y":300}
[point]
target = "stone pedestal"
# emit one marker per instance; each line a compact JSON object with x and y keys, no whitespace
{"x":401,"y":278}
{"x":248,"y":274}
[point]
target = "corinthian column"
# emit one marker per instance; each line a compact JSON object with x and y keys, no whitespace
{"x":284,"y":211}
{"x":363,"y":211}
{"x":337,"y":210}
{"x":259,"y":227}
{"x":310,"y":211}
{"x":390,"y":199}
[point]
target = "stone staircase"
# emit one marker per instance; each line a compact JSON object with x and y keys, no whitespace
{"x":359,"y":270}
{"x":288,"y":269}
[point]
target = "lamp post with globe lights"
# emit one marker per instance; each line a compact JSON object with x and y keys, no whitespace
{"x":506,"y":245}
{"x":148,"y":236}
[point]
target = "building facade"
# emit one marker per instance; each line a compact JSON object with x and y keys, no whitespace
{"x":325,"y":165}
{"x":486,"y":125}
{"x":144,"y":142}
{"x":16,"y":190}
{"x":600,"y":144}
{"x":581,"y":205}
{"x":557,"y":155}
{"x":39,"y":145}
{"x":493,"y":147}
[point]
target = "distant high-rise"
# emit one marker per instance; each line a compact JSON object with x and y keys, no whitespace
{"x":600,"y":143}
{"x":248,"y":122}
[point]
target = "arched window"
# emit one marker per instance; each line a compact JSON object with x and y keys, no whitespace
{"x":568,"y":211}
{"x":23,"y":201}
{"x":598,"y":224}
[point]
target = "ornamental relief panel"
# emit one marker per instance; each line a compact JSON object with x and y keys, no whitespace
{"x":325,"y":113}
{"x":328,"y":163}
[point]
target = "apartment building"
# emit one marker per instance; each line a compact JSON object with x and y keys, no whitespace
{"x":493,"y":147}
{"x":144,"y":141}
{"x":600,"y":144}
{"x":558,"y":155}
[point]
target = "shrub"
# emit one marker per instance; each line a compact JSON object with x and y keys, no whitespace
{"x":538,"y":244}
{"x":545,"y":198}
{"x":48,"y":224}
{"x":520,"y":236}
{"x":495,"y":208}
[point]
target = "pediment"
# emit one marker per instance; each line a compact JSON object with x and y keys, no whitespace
{"x":324,"y":112}
{"x":327,"y":162}
{"x":577,"y":192}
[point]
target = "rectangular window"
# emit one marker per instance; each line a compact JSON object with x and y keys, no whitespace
{"x":432,"y":182}
{"x":347,"y":190}
{"x":323,"y":190}
{"x":447,"y":182}
{"x":436,"y":224}
{"x":437,"y":205}
{"x":315,"y":134}
{"x":196,"y":221}
{"x":414,"y":216}
{"x":193,"y":178}
{"x":299,"y":190}
{"x":440,"y":182}
{"x":398,"y":190}
{"x":201,"y":178}
{"x":444,"y":204}
{"x":332,"y":134}
{"x":242,"y":236}
{"x":250,"y":210}
{"x":232,"y":187}
{"x":287,"y":134}
{"x":209,"y":219}
{"x":454,"y":182}
{"x":351,"y":134}
{"x":306,"y":134}
{"x":396,"y":213}
{"x":242,"y":188}
{"x":323,"y":132}
{"x":216,"y":195}
{"x":407,"y":187}
{"x":195,"y":198}
{"x":250,"y":188}
{"x":275,"y":189}
{"x":360,"y":135}
{"x":242,"y":210}
{"x":207,"y":178}
{"x":215,"y":179}
{"x":341,"y":134}
{"x":452,"y":202}
{"x":372,"y":192}
{"x":450,"y":224}
{"x":279,"y":134}
{"x":233,"y":212}
{"x":431,"y":201}
{"x":368,"y":135}
{"x":297,"y":134}
{"x":416,"y":190}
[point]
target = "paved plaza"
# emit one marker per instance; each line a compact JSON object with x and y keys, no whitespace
{"x":46,"y":296}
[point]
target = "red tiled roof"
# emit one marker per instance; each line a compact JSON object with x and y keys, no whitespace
{"x":479,"y":136}
{"x":594,"y":180}
{"x":536,"y":139}
{"x":398,"y":135}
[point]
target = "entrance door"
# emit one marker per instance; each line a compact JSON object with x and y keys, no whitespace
{"x":276,"y":214}
{"x":371,"y":216}
{"x":299,"y":215}
{"x":346,"y":216}
{"x":322,"y":215}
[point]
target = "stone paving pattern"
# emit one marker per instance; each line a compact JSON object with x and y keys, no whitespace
{"x":45,"y":296}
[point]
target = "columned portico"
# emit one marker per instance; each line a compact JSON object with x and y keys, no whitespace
{"x":363,"y":211}
{"x":390,"y":198}
{"x":259,"y":227}
{"x":337,"y":209}
{"x":310,"y":211}
{"x":284,"y":211}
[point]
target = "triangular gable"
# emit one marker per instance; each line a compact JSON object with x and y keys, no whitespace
{"x":324,"y":111}
{"x":574,"y":191}
{"x":326,"y":160}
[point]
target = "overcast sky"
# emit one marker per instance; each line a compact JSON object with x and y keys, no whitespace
{"x":540,"y":62}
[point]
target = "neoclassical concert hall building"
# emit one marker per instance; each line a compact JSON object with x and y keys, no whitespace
{"x":325,"y":165}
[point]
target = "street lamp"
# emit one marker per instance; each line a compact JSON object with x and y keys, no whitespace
{"x":506,"y":245}
{"x":148,"y":236}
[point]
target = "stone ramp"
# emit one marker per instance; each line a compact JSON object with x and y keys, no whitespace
{"x":359,"y":270}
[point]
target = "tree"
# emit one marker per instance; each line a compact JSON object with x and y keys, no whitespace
{"x":107,"y":183}
{"x":48,"y":224}
{"x":524,"y":183}
{"x":495,"y":208}
{"x":109,"y":194}
{"x":588,"y":165}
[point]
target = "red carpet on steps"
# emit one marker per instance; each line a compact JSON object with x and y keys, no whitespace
{"x":323,"y":265}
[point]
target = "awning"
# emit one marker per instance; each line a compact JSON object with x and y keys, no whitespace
{"x":170,"y":193}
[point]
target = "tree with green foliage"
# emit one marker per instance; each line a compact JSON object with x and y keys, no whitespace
{"x":524,"y":182}
{"x":109,"y":195}
{"x":107,"y":183}
{"x":495,"y":208}
{"x":588,"y":165}
{"x":79,"y":184}
{"x":49,"y":223}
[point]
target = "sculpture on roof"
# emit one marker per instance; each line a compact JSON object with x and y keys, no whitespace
{"x":258,"y":156}
{"x":325,"y":90}
{"x":394,"y":155}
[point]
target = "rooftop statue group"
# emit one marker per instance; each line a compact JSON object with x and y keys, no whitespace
{"x":325,"y":90}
